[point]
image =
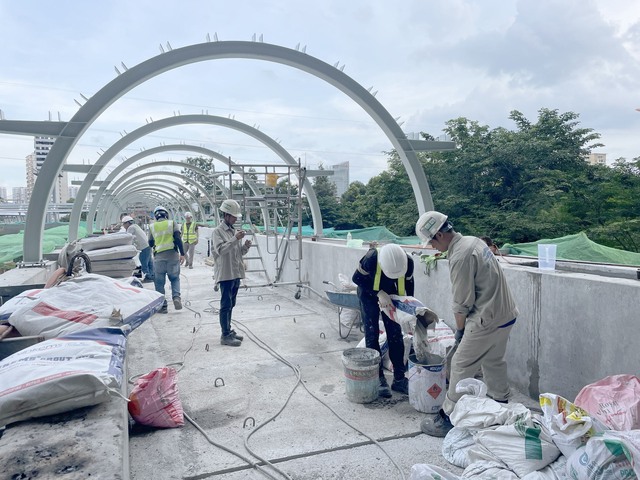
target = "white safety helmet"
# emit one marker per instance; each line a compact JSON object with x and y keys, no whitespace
{"x":160,"y":212}
{"x":188,"y":215}
{"x":231,"y":207}
{"x":429,"y":224}
{"x":393,"y":260}
{"x":127,"y":219}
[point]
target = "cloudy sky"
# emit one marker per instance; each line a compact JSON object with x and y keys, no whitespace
{"x":429,"y":61}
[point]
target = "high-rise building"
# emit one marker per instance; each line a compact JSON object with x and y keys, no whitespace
{"x":42,"y":145}
{"x":340,"y":177}
{"x":597,"y":158}
{"x":32,"y":172}
{"x":3,"y":194}
{"x":19,"y":195}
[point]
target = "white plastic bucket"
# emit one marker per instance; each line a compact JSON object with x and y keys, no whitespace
{"x":547,"y":256}
{"x":427,"y":383}
{"x":361,"y":373}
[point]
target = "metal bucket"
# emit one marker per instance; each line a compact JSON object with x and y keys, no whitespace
{"x":361,"y":373}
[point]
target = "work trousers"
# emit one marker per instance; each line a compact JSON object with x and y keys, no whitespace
{"x":146,"y":263}
{"x":228,"y":294}
{"x":483,"y":349}
{"x":189,"y":251}
{"x":370,"y":311}
{"x":167,"y":266}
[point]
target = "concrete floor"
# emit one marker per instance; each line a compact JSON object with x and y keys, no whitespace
{"x":307,"y":429}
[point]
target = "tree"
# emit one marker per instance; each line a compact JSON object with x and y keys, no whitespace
{"x":326,"y":192}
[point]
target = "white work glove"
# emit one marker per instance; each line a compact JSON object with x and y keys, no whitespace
{"x":384,"y":300}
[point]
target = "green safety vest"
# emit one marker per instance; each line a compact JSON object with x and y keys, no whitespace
{"x":162,"y":232}
{"x":189,"y":232}
{"x":376,"y":281}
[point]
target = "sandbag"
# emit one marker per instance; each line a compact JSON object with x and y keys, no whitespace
{"x":608,"y":456}
{"x":523,"y":446}
{"x":88,"y":301}
{"x":423,"y":471}
{"x":570,"y":425}
{"x":456,"y":445}
{"x":61,"y":374}
{"x":614,"y":400}
{"x":154,"y":399}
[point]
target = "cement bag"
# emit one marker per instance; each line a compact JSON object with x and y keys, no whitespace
{"x":523,"y":446}
{"x":154,"y":399}
{"x":456,"y":445}
{"x":442,"y":338}
{"x":482,"y":412}
{"x":554,"y":471}
{"x":24,"y":298}
{"x":61,"y":374}
{"x":112,"y":253}
{"x":614,"y":400}
{"x":610,"y":455}
{"x":570,"y":426}
{"x":346,"y":283}
{"x":88,"y":301}
{"x":422,"y":471}
{"x":487,"y":469}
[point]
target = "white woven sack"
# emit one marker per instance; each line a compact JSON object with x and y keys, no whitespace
{"x":89,"y":301}
{"x":62,"y":374}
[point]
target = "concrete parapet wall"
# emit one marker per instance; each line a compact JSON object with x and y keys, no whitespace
{"x":573,"y":328}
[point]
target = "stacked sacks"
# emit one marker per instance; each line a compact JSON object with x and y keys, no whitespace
{"x":112,"y":255}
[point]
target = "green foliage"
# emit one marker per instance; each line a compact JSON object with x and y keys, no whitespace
{"x":513,"y":185}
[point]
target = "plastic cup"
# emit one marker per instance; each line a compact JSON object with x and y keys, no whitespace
{"x":547,"y":256}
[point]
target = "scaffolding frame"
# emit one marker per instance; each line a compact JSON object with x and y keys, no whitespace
{"x":272,"y":192}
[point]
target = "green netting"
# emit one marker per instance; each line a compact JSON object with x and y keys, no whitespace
{"x":381,"y":234}
{"x":53,"y":238}
{"x":576,"y":247}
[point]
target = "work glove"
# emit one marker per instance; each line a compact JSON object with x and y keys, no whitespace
{"x":459,"y":335}
{"x":384,"y":300}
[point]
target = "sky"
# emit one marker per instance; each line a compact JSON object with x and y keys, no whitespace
{"x":429,"y":62}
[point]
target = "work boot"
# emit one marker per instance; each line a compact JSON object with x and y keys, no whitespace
{"x":230,"y":341}
{"x":401,"y":386}
{"x":190,"y":267}
{"x":147,"y":280}
{"x":235,"y":335}
{"x":383,"y":388}
{"x":177,"y":303}
{"x":164,"y":308}
{"x":437,"y":425}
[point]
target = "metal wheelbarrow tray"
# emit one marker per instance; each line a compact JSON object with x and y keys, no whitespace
{"x":345,"y":300}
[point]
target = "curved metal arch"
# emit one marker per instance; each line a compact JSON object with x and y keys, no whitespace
{"x":160,"y":187}
{"x":183,"y":120}
{"x":173,"y":203}
{"x":124,"y":183}
{"x":193,"y":148}
{"x":107,"y":194}
{"x":195,"y":53}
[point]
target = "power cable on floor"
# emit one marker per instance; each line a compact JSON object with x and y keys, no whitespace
{"x":260,"y":343}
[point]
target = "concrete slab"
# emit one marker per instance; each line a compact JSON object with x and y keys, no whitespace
{"x":249,"y":401}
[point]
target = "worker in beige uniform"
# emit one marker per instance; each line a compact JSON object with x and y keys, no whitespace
{"x":484,"y":312}
{"x":227,"y":250}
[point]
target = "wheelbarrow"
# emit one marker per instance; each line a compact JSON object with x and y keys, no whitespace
{"x":345,"y":300}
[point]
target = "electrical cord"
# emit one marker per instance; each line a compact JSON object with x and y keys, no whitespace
{"x":254,"y":338}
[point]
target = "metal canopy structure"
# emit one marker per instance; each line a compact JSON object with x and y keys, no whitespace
{"x":68,"y":133}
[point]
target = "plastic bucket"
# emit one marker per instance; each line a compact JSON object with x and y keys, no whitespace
{"x":547,"y":257}
{"x":361,"y":367}
{"x":427,"y":383}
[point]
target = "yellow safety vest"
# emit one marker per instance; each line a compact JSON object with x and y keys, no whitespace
{"x":189,"y":232}
{"x":376,"y":280}
{"x":162,"y":232}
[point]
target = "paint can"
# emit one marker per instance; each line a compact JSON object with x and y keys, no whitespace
{"x":427,"y":383}
{"x":361,"y":373}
